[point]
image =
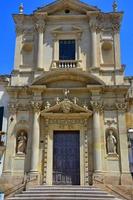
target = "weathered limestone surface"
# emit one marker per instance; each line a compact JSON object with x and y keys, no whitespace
{"x":88,"y":94}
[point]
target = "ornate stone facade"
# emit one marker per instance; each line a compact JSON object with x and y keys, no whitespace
{"x":88,"y":94}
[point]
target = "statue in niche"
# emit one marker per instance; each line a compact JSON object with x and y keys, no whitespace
{"x":111,"y":142}
{"x":21,"y":143}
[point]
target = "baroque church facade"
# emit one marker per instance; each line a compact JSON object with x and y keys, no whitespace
{"x":70,"y":106}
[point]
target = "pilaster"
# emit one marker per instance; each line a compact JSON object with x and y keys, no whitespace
{"x":94,"y":43}
{"x":124,"y":160}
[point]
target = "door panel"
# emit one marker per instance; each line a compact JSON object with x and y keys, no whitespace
{"x":66,"y":158}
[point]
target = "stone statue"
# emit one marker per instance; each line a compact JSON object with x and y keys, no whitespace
{"x":111,"y":143}
{"x":66,"y":92}
{"x":57,"y":100}
{"x":21,"y":143}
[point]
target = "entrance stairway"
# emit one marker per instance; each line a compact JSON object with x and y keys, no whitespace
{"x":63,"y":193}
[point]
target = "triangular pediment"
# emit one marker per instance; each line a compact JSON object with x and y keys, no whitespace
{"x":67,"y":107}
{"x":60,"y":5}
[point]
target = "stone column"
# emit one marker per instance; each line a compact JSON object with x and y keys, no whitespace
{"x":40,"y":29}
{"x":35,"y":138}
{"x":123,"y":143}
{"x":93,"y":45}
{"x":97,"y":107}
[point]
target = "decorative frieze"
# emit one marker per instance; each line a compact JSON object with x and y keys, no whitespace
{"x":70,"y":123}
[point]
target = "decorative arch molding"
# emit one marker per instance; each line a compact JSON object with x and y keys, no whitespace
{"x":74,"y":75}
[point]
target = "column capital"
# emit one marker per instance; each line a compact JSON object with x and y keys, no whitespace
{"x":36,"y":106}
{"x":40,"y":27}
{"x":12,"y":108}
{"x":97,"y":106}
{"x":121,"y":106}
{"x":93,"y":26}
{"x":40,"y":23}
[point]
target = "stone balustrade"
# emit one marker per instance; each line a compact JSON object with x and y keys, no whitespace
{"x":63,"y":64}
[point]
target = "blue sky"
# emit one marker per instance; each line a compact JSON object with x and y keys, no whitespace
{"x":7,"y":30}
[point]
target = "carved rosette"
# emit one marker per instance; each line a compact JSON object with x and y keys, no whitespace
{"x":121,"y":106}
{"x":36,"y":106}
{"x":97,"y":106}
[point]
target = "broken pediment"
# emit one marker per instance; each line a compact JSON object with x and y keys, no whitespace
{"x":67,"y":107}
{"x":66,"y":7}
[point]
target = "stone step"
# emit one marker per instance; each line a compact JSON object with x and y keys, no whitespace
{"x":57,"y":198}
{"x":63,"y":193}
{"x":66,"y":188}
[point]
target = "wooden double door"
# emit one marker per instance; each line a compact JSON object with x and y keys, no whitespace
{"x":66,"y":158}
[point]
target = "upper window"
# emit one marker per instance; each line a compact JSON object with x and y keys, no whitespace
{"x":66,"y":49}
{"x":1,"y":117}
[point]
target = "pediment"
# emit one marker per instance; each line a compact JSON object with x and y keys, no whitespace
{"x":67,"y":107}
{"x":60,"y":5}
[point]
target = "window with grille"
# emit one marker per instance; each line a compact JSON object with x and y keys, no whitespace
{"x":66,"y":49}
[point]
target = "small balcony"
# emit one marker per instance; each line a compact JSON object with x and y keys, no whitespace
{"x":66,"y":64}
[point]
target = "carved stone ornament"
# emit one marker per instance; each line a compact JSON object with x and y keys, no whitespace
{"x":36,"y":106}
{"x":110,"y":122}
{"x":12,"y":108}
{"x":40,"y":27}
{"x":97,"y":106}
{"x":66,"y":106}
{"x":70,"y":123}
{"x":40,"y":23}
{"x":110,"y":22}
{"x":121,"y":106}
